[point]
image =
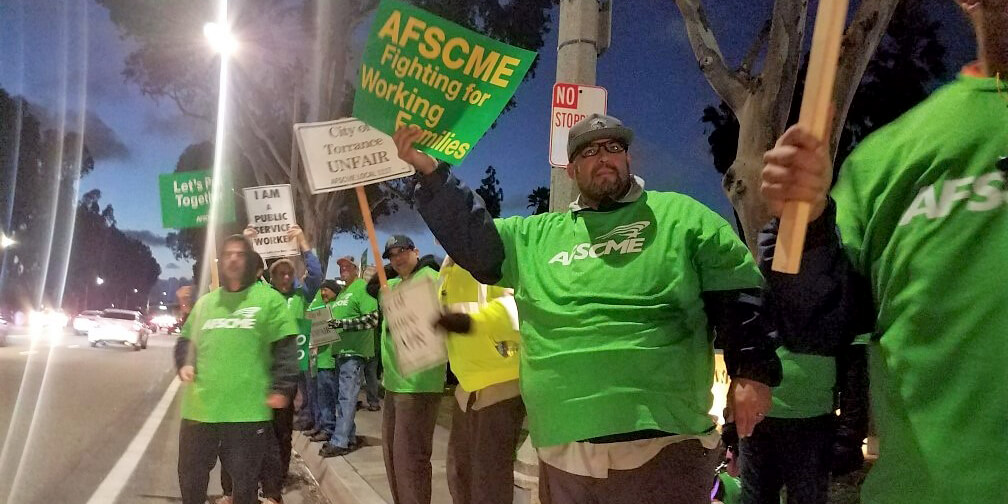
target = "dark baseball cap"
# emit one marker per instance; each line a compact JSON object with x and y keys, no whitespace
{"x":346,"y":261}
{"x":596,"y":127}
{"x":397,"y":241}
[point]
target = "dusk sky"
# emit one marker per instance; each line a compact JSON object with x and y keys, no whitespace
{"x":67,"y":56}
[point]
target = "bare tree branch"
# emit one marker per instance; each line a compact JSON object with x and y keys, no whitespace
{"x":708,"y":54}
{"x":186,"y":111}
{"x":749,"y":61}
{"x":859,"y":44}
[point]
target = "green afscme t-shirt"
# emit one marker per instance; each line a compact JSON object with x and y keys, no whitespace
{"x":922,"y":208}
{"x":325,"y":358}
{"x":430,"y":380}
{"x":353,"y":302}
{"x":231,"y":334}
{"x":297,"y":303}
{"x":806,"y":388}
{"x":614,"y":334}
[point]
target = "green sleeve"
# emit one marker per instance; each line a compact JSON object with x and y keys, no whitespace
{"x":282,"y":323}
{"x":850,"y":204}
{"x":509,"y":230}
{"x":722,"y":261}
{"x":362,"y":303}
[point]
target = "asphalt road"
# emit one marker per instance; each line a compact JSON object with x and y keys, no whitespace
{"x":68,"y":413}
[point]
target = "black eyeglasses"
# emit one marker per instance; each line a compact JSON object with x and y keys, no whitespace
{"x":612,"y":147}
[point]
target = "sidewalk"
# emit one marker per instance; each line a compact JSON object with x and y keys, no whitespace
{"x":359,"y":478}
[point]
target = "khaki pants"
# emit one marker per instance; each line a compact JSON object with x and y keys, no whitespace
{"x":481,"y":452}
{"x":682,"y":473}
{"x":407,"y":441}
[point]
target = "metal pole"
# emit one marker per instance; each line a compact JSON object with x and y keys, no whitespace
{"x":578,"y":48}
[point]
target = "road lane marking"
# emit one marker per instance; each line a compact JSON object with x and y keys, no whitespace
{"x":29,"y":352}
{"x":120,"y":474}
{"x":74,"y":346}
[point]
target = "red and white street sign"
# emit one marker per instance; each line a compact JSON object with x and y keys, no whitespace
{"x":571,"y":103}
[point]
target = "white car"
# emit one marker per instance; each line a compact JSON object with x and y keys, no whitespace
{"x":119,"y":326}
{"x":84,"y":321}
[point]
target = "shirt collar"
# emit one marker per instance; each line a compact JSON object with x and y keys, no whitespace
{"x":633,"y":194}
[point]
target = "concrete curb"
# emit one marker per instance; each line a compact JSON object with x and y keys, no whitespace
{"x":337,"y":479}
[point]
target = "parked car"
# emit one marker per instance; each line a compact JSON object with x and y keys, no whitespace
{"x":85,"y":320}
{"x":120,"y":326}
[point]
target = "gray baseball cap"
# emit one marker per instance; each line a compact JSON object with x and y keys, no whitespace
{"x":595,"y":127}
{"x":397,"y":241}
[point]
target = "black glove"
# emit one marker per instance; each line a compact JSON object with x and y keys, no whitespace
{"x":456,"y":322}
{"x":846,"y":456}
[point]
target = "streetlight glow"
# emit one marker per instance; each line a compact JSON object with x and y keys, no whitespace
{"x":6,"y":241}
{"x":134,"y":291}
{"x":220,"y":38}
{"x":99,"y":280}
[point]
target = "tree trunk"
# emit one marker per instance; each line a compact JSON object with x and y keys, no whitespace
{"x":764,"y":106}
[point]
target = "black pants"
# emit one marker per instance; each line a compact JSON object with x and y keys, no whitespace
{"x":787,"y":452}
{"x":240,"y":446}
{"x":481,"y":452}
{"x":276,"y":461}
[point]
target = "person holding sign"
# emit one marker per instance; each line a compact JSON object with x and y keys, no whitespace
{"x":326,"y":384}
{"x":298,"y":295}
{"x":411,"y":401}
{"x":237,"y":358}
{"x":351,"y":352}
{"x":487,"y":422}
{"x":909,"y":246}
{"x":619,"y":298}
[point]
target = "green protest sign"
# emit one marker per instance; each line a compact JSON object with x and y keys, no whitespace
{"x":185,"y":199}
{"x":423,"y":70}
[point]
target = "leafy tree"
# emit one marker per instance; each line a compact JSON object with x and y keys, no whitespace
{"x":491,"y":192}
{"x":102,"y":250}
{"x":40,"y":171}
{"x":539,"y":200}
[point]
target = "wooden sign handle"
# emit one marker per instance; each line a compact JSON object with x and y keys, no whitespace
{"x":814,"y":117}
{"x":365,"y":210}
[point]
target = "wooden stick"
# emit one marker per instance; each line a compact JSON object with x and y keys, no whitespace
{"x":814,"y":117}
{"x":365,"y":210}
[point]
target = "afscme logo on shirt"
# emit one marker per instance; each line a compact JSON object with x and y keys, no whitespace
{"x":246,"y":320}
{"x":343,"y":301}
{"x":935,"y":201}
{"x":608,"y":243}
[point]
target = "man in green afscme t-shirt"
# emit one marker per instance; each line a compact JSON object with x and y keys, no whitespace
{"x":351,"y":352}
{"x":910,"y":247}
{"x":237,"y":358}
{"x":411,"y":401}
{"x":619,"y":298}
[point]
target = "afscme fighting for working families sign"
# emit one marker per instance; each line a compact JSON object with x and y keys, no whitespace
{"x":419,"y":69}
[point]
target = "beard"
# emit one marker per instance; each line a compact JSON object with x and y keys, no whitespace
{"x":609,"y":189}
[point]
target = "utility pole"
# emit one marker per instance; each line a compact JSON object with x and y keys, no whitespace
{"x":584,"y":35}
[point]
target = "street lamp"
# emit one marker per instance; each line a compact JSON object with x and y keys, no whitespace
{"x":99,"y":280}
{"x":134,"y":291}
{"x":220,"y":38}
